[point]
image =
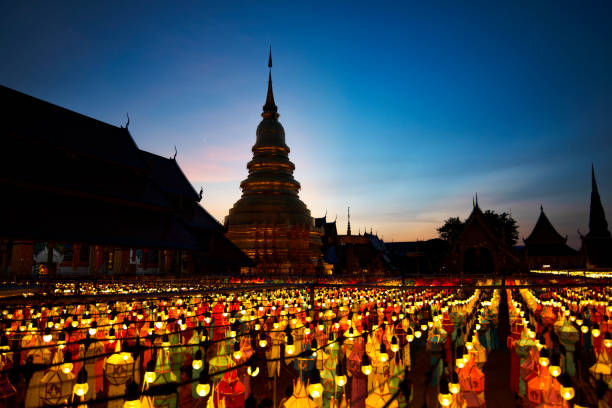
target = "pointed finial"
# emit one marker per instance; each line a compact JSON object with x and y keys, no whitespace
{"x":270,"y":58}
{"x":175,"y":152}
{"x":348,"y":225}
{"x":128,"y":120}
{"x":593,"y":181}
{"x":541,"y":208}
{"x":270,"y":109}
{"x":476,"y":199}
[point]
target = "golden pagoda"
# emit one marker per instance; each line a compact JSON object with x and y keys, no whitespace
{"x":269,"y":222}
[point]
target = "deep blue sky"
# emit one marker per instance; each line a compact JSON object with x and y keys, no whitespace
{"x":401,"y":111}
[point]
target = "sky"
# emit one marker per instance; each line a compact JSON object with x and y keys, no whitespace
{"x":400,"y":110}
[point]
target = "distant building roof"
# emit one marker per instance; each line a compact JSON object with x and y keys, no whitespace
{"x":544,"y":233}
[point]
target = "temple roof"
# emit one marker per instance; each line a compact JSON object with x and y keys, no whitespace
{"x":544,"y":233}
{"x":45,"y":124}
{"x":168,"y":175}
{"x":70,"y":178}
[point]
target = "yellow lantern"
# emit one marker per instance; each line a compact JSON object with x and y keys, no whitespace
{"x":444,"y":397}
{"x":150,"y":375}
{"x":315,"y":388}
{"x":203,"y":387}
{"x":394,"y":344}
{"x":289,"y":349}
{"x":554,"y":370}
{"x":253,"y":371}
{"x":81,"y":387}
{"x":383,"y":353}
{"x":567,"y":393}
{"x":197,"y":360}
{"x":366,"y":364}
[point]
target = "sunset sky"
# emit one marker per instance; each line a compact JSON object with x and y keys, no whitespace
{"x":401,"y":111}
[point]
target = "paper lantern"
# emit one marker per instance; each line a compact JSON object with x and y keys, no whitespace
{"x":231,"y":390}
{"x":119,"y":367}
{"x":57,"y":386}
{"x":380,"y":397}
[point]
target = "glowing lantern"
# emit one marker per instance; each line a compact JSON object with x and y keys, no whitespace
{"x":366,"y":364}
{"x":315,"y":388}
{"x":56,"y":386}
{"x":119,"y":367}
{"x":607,"y":340}
{"x":203,"y":387}
{"x":444,"y":397}
{"x":81,"y":387}
{"x":289,"y":346}
{"x":197,"y":360}
{"x":149,"y":376}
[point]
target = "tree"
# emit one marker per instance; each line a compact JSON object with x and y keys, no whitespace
{"x":451,"y":229}
{"x":502,"y":225}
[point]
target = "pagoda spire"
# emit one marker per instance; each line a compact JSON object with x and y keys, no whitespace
{"x":270,"y":109}
{"x":598,"y":226}
{"x":348,"y":227}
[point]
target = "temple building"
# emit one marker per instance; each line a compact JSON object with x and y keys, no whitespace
{"x":354,"y":255}
{"x":545,"y":248}
{"x":269,"y":222}
{"x":597,"y":244}
{"x":479,"y":250}
{"x":80,"y":197}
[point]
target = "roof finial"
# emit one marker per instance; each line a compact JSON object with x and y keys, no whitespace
{"x":201,"y":193}
{"x":348,"y":226}
{"x":128,"y":120}
{"x":270,"y":109}
{"x":476,"y":200}
{"x":541,"y":208}
{"x":175,"y":152}
{"x":270,"y":58}
{"x":598,"y":225}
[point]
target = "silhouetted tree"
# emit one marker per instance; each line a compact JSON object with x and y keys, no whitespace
{"x":451,"y":229}
{"x":503,"y":224}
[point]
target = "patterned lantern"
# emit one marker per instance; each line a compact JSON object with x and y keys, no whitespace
{"x":119,"y":367}
{"x":56,"y":386}
{"x":380,"y":397}
{"x":300,"y":398}
{"x":231,"y":390}
{"x":220,"y":363}
{"x":568,"y":336}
